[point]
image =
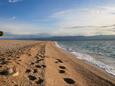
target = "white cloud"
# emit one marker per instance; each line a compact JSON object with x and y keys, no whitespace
{"x":13,"y":1}
{"x":100,"y":16}
{"x":70,"y":22}
{"x":19,"y":28}
{"x":91,"y":16}
{"x":84,"y":31}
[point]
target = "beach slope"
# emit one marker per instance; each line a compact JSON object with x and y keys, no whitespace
{"x":38,"y":63}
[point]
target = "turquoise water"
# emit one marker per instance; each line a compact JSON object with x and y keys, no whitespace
{"x":100,"y":53}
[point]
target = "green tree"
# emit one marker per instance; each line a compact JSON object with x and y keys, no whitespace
{"x":1,"y":33}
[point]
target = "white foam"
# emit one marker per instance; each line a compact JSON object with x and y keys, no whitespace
{"x":107,"y":68}
{"x":83,"y":56}
{"x":57,"y":45}
{"x":92,"y":60}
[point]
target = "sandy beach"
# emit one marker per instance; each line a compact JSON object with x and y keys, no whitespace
{"x":42,"y":63}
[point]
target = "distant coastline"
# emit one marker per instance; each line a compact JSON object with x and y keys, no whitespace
{"x":59,"y":38}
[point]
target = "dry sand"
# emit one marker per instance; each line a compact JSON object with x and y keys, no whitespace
{"x":37,"y":63}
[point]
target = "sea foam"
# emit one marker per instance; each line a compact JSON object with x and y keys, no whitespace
{"x":90,"y":59}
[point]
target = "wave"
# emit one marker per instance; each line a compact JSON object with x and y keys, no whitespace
{"x":90,"y":59}
{"x":57,"y":45}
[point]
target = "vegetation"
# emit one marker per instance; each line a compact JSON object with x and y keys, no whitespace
{"x":1,"y":33}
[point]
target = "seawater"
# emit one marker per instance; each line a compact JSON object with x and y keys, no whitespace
{"x":99,"y":53}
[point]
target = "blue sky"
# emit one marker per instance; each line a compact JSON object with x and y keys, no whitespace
{"x":58,"y":17}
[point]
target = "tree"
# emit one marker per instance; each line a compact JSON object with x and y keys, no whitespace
{"x":1,"y":33}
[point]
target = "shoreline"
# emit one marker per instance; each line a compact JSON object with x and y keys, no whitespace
{"x":36,"y":63}
{"x":92,"y":67}
{"x":74,"y":54}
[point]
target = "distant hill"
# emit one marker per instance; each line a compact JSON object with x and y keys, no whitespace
{"x":30,"y":36}
{"x":80,"y":38}
{"x":72,"y":38}
{"x":57,"y":38}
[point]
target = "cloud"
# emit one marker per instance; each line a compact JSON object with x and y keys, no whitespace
{"x":20,"y":28}
{"x":14,"y":1}
{"x":98,"y":27}
{"x":87,"y":16}
{"x":85,"y":21}
{"x":77,"y":21}
{"x":84,"y":32}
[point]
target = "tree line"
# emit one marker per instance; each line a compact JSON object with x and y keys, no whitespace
{"x":1,"y":33}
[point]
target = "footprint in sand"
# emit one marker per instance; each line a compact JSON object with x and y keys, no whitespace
{"x":40,"y":81}
{"x":28,"y":71}
{"x":38,"y":66}
{"x":35,"y":71}
{"x":41,"y":56}
{"x":4,"y":62}
{"x":4,"y":72}
{"x":36,"y":57}
{"x":32,"y":77}
{"x":8,"y":59}
{"x":19,"y":60}
{"x":62,"y":67}
{"x":39,"y":60}
{"x":17,"y":57}
{"x":15,"y":85}
{"x":60,"y":61}
{"x":44,"y":66}
{"x":29,"y":54}
{"x":69,"y":80}
{"x":61,"y":71}
{"x":56,"y":61}
{"x":18,"y":63}
{"x":32,"y":63}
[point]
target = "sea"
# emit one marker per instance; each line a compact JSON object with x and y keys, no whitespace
{"x":100,"y":53}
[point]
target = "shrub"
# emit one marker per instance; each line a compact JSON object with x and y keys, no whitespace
{"x":1,"y":33}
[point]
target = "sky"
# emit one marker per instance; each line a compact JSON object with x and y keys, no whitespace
{"x":58,"y":17}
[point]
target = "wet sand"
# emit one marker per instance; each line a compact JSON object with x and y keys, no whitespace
{"x":37,"y":63}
